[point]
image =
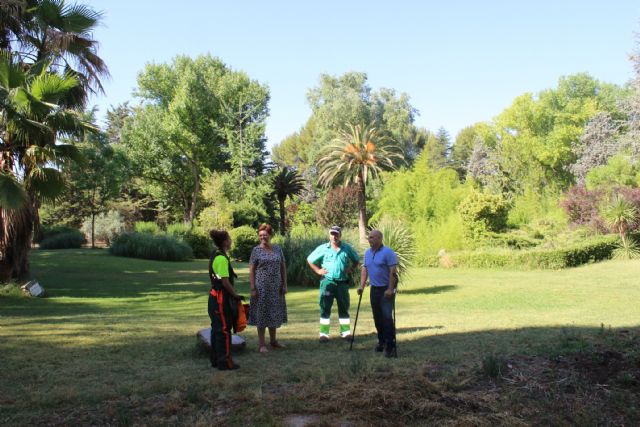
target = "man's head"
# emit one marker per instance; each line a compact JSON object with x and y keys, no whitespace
{"x":335,"y":233}
{"x":375,"y":239}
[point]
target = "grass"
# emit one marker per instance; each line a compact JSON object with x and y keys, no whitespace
{"x":114,"y":343}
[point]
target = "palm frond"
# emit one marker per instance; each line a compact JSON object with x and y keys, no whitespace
{"x":47,"y":183}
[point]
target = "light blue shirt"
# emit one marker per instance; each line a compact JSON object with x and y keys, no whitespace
{"x":378,"y":263}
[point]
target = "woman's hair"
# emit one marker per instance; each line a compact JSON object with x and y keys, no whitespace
{"x":266,"y":227}
{"x":219,"y":237}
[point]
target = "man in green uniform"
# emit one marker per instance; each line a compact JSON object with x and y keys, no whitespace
{"x":334,"y":262}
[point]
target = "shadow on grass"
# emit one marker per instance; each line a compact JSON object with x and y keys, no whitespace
{"x":428,"y":290}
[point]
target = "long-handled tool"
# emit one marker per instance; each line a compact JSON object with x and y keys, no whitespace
{"x":353,"y":335}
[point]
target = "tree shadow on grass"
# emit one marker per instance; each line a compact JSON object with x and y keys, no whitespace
{"x":428,"y":290}
{"x":166,"y":376}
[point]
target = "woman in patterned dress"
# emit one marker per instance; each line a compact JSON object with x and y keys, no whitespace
{"x":268,"y":279}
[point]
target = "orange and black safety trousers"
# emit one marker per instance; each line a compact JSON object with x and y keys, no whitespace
{"x":221,"y":316}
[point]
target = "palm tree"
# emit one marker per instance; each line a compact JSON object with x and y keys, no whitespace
{"x":286,"y":183}
{"x":60,"y":35}
{"x":31,"y":119}
{"x":622,"y":216}
{"x":355,"y":155}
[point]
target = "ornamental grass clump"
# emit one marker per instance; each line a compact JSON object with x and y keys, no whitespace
{"x":149,"y":246}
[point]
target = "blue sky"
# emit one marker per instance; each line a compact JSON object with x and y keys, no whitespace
{"x":460,"y":61}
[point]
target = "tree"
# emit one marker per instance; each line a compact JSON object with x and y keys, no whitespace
{"x":92,"y":184}
{"x":56,"y":67}
{"x":357,"y":154}
{"x":198,"y":116}
{"x":348,"y":99}
{"x":596,"y":145}
{"x":32,"y":119}
{"x":437,"y":149}
{"x":286,"y":183}
{"x":462,"y":150}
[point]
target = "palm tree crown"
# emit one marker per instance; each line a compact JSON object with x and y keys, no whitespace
{"x":360,"y":152}
{"x":286,"y":183}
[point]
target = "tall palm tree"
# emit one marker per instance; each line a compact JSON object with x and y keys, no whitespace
{"x":61,"y":35}
{"x":286,"y":183}
{"x":31,"y":119}
{"x":360,"y":152}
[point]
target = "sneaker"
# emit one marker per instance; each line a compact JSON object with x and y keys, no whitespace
{"x":324,"y":339}
{"x":379,"y":348}
{"x":346,"y":337}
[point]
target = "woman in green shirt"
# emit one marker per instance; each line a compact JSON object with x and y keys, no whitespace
{"x":222,"y":299}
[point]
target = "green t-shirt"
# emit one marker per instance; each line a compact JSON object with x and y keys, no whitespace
{"x":221,"y":266}
{"x":335,"y":262}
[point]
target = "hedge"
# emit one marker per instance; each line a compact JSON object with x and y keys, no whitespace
{"x":71,"y":239}
{"x":149,"y":246}
{"x":592,"y":251}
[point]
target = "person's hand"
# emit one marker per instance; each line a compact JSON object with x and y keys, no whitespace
{"x":283,"y":290}
{"x":360,"y":291}
{"x":254,"y":293}
{"x":322,"y":271}
{"x":388,"y":294}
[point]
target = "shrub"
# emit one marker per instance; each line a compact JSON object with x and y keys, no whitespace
{"x":147,"y":227}
{"x":597,"y":249}
{"x":244,"y":240}
{"x":295,"y":250}
{"x":398,"y":237}
{"x":482,"y":213}
{"x":72,"y":239}
{"x":107,"y":226}
{"x":199,"y":242}
{"x":149,"y":246}
{"x":581,"y":206}
{"x":338,"y":207}
{"x":53,"y":230}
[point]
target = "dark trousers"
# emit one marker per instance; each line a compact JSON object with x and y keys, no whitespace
{"x":382,"y":309}
{"x":221,"y":323}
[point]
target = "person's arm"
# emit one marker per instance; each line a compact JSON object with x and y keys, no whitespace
{"x":252,"y":280}
{"x":364,"y":275}
{"x":393,"y":281}
{"x":283,"y":272}
{"x":227,"y":285}
{"x":319,"y":271}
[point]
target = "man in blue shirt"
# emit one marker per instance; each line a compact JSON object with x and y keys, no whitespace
{"x":334,"y":261}
{"x":380,"y":267}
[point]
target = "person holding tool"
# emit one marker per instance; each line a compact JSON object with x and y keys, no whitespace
{"x":334,"y":261}
{"x":223,"y":302}
{"x":380,"y":267}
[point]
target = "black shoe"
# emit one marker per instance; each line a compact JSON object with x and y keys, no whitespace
{"x":390,"y":352}
{"x":323,"y":339}
{"x":227,"y":368}
{"x":379,"y":348}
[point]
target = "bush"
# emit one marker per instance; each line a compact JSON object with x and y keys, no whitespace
{"x":149,"y":246}
{"x":598,"y":249}
{"x":339,"y":207}
{"x":148,"y":227}
{"x":72,"y":239}
{"x":50,"y":231}
{"x":295,"y":250}
{"x":107,"y":226}
{"x":244,"y":239}
{"x":482,"y":213}
{"x":398,"y":237}
{"x":581,"y":206}
{"x":199,"y":242}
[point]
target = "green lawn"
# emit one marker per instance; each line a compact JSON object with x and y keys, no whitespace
{"x":114,"y":343}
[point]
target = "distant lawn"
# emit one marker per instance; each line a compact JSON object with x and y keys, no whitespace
{"x":114,"y":343}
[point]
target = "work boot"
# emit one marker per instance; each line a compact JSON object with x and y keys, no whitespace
{"x":379,"y":348}
{"x":390,"y":352}
{"x":227,"y":368}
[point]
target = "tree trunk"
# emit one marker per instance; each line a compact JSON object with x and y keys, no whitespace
{"x":15,"y":243}
{"x":93,"y":230}
{"x":282,"y":216}
{"x":362,"y":211}
{"x":194,"y":196}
